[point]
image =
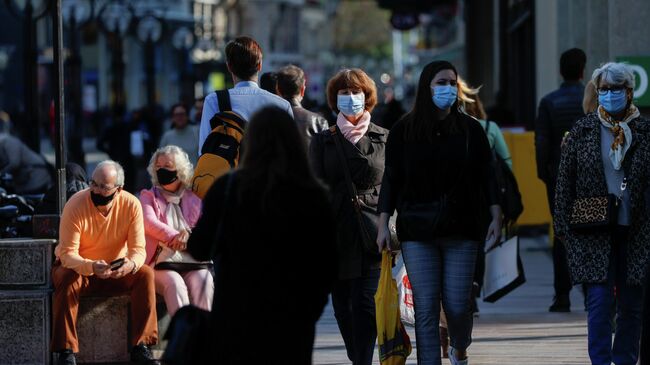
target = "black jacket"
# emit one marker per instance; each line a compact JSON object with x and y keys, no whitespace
{"x":458,"y":165}
{"x":366,"y":163}
{"x":309,"y":123}
{"x":558,"y":112}
{"x":274,"y":269}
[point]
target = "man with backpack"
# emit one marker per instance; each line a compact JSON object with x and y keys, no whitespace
{"x":225,"y":113}
{"x":558,"y":111}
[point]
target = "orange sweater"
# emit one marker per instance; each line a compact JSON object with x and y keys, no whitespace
{"x":85,"y":235}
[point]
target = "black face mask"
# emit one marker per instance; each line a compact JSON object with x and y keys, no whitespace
{"x":99,"y":200}
{"x":166,"y":177}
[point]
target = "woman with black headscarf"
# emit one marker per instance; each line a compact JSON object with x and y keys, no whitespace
{"x":438,"y":176}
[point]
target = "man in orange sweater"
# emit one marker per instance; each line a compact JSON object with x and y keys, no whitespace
{"x":100,"y":225}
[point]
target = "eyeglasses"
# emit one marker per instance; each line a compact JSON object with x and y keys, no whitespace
{"x":616,"y":90}
{"x":102,"y":187}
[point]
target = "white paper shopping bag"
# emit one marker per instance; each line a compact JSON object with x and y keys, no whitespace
{"x":504,"y":271}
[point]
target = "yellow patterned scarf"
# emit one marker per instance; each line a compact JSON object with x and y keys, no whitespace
{"x":621,"y":131}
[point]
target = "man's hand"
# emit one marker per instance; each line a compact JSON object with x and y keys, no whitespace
{"x":124,"y":270}
{"x":101,"y":269}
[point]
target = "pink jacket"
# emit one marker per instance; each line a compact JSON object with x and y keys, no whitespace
{"x":155,"y":223}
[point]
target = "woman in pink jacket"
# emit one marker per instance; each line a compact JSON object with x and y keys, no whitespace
{"x":170,"y":212}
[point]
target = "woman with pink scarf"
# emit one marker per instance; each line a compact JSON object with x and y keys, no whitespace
{"x":170,"y":212}
{"x":349,"y":158}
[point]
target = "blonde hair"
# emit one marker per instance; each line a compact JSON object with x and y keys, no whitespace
{"x":469,"y":100}
{"x":590,"y":99}
{"x":184,"y":167}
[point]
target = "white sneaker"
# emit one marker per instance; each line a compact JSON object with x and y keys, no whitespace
{"x":454,"y":360}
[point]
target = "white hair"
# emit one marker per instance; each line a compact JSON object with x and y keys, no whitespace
{"x":119,"y":180}
{"x":614,"y":73}
{"x":184,"y":167}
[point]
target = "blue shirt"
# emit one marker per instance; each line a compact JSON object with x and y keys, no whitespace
{"x":245,"y":99}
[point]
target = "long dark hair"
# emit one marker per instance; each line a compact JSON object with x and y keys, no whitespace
{"x":274,"y":155}
{"x":421,"y":122}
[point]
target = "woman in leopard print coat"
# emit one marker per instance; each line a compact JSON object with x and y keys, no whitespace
{"x":603,"y":150}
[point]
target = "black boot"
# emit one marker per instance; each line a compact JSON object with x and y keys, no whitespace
{"x":141,"y":354}
{"x":561,"y":303}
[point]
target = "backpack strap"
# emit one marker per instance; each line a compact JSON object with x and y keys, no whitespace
{"x":223,"y":98}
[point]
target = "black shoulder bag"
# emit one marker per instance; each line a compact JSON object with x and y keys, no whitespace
{"x":428,"y":219}
{"x":509,"y":197}
{"x":367,"y":216}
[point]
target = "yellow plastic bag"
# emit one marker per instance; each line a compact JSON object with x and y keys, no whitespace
{"x":394,"y":342}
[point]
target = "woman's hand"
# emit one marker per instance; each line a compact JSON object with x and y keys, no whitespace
{"x":494,"y":230}
{"x":383,"y":232}
{"x":179,"y":243}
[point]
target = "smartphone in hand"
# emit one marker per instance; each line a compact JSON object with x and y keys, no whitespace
{"x":116,"y":264}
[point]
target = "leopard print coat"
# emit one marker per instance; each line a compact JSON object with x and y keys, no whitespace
{"x":582,"y":175}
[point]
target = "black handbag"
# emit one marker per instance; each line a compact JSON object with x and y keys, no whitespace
{"x":367,"y":216}
{"x":190,"y":329}
{"x":429,"y":219}
{"x":182,"y":266}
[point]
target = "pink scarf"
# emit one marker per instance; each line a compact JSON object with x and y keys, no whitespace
{"x":351,"y":132}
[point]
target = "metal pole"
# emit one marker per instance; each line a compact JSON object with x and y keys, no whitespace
{"x":30,"y":129}
{"x":59,"y":106}
{"x":75,"y":144}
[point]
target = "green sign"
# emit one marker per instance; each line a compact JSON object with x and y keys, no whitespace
{"x":641,"y":67}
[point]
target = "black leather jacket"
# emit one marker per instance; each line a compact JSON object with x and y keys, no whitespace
{"x":309,"y":123}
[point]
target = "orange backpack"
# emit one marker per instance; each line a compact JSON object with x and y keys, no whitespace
{"x":220,"y":151}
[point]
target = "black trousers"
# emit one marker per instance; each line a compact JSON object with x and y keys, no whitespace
{"x":561,"y":276}
{"x":354,"y":308}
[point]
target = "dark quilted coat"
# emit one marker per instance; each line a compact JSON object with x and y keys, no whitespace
{"x":582,"y":175}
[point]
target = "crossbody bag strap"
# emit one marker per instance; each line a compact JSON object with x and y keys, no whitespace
{"x":352,"y":189}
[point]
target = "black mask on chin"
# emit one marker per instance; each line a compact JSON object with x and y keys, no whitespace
{"x":100,"y":200}
{"x":166,"y":177}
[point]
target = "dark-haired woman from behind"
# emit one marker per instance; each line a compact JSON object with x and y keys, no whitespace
{"x":438,"y":170}
{"x":274,"y":256}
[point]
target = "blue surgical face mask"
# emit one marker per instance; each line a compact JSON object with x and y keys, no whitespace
{"x":444,"y":96}
{"x":351,"y":104}
{"x":614,"y":101}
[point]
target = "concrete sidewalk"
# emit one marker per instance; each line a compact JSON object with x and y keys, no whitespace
{"x":518,"y":329}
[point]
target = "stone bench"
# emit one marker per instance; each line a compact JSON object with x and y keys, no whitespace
{"x":103,"y":326}
{"x":25,"y":291}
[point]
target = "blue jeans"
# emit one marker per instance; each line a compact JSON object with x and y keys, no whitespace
{"x":629,"y":307}
{"x":442,"y":268}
